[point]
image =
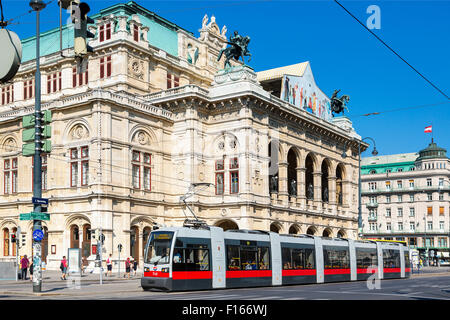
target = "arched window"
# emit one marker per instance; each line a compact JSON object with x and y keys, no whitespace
{"x":273,"y":168}
{"x":134,"y":243}
{"x":326,"y":233}
{"x":311,"y":230}
{"x":292,"y":173}
{"x":309,"y":179}
{"x":227,"y":225}
{"x":6,"y":242}
{"x":275,"y":228}
{"x":145,"y":236}
{"x":339,"y":178}
{"x":325,"y":189}
{"x":86,"y":245}
{"x":293,"y":229}
{"x":74,"y":237}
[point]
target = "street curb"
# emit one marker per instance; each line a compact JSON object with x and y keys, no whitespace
{"x":43,"y":294}
{"x":430,"y":274}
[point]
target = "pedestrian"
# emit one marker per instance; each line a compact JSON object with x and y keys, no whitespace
{"x":109,"y":265}
{"x":24,"y":266}
{"x":31,"y":271}
{"x":63,"y":267}
{"x":135,"y":265}
{"x":127,"y":268}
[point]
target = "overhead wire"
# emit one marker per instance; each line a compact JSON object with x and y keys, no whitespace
{"x":402,"y":109}
{"x":67,"y":160}
{"x":398,"y":55}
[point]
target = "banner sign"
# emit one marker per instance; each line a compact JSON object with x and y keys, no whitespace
{"x":303,"y":93}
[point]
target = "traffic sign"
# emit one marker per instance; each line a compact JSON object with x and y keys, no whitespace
{"x":39,"y":200}
{"x":38,"y":235}
{"x":35,"y":216}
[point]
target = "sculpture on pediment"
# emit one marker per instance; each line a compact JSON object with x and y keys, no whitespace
{"x":339,"y":104}
{"x":192,"y":54}
{"x":237,"y":49}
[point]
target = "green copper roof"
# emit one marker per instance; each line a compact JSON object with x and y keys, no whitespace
{"x":432,"y":152}
{"x":162,"y":33}
{"x":394,"y":163}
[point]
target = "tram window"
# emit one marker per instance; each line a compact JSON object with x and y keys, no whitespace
{"x":298,"y":258}
{"x":190,"y":259}
{"x":286,"y":258}
{"x":366,"y":258}
{"x":407,"y":262}
{"x":391,"y":259}
{"x":264,"y":258}
{"x":336,"y":259}
{"x":302,"y":259}
{"x":233,"y":258}
{"x":249,"y":259}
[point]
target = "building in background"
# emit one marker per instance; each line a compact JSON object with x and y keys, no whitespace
{"x":152,"y":114}
{"x":406,"y":197}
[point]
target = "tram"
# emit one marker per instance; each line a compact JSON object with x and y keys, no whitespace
{"x":199,"y":257}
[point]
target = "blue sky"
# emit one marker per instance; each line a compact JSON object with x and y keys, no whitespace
{"x":342,"y":53}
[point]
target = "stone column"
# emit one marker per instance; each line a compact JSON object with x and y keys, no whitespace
{"x":141,"y":244}
{"x":301,"y":194}
{"x":317,"y":176}
{"x":332,"y":193}
{"x":283,"y":194}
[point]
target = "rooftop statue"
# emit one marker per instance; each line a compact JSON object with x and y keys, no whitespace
{"x":238,"y":49}
{"x":339,"y":104}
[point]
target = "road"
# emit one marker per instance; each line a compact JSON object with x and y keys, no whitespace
{"x":427,"y":287}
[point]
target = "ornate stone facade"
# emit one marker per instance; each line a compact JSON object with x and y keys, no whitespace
{"x":125,"y":146}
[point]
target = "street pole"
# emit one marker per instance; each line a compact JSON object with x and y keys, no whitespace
{"x":100,"y":246}
{"x":344,"y":155}
{"x":37,"y":5}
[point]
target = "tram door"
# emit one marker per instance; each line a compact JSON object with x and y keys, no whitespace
{"x":218,"y":257}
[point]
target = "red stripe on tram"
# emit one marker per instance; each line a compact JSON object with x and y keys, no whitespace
{"x":391,"y":270}
{"x":156,"y":274}
{"x":407,"y":269}
{"x":249,"y":274}
{"x":299,"y":272}
{"x":336,"y":271}
{"x":190,"y":275}
{"x":366,"y":270}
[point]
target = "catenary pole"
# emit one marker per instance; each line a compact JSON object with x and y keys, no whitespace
{"x":37,"y":5}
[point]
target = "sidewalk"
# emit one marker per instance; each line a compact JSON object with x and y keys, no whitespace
{"x":431,"y":271}
{"x":88,"y":285}
{"x":54,"y":276}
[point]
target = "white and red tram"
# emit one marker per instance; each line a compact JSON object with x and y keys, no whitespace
{"x":206,"y":257}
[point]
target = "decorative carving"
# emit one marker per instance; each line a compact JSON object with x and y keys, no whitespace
{"x":10,"y":145}
{"x":79,"y":132}
{"x":136,"y":68}
{"x":192,"y":54}
{"x":141,"y":137}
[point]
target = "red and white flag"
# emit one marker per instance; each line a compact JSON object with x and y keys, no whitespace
{"x":428,"y":129}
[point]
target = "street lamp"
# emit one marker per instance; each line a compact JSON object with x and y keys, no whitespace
{"x":344,"y":155}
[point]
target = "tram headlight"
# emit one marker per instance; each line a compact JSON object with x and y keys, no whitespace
{"x":165,"y":270}
{"x":146,"y":269}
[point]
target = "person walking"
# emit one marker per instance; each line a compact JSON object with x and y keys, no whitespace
{"x":127,"y":268}
{"x":63,"y":267}
{"x":31,"y":270}
{"x":24,"y":266}
{"x":109,"y":265}
{"x":135,"y":265}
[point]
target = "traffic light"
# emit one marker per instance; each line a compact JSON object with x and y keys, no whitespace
{"x":102,"y":238}
{"x":13,"y":238}
{"x":119,"y":247}
{"x":28,"y":133}
{"x":80,"y":19}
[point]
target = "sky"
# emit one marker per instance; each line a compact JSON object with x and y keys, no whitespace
{"x":342,"y":53}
